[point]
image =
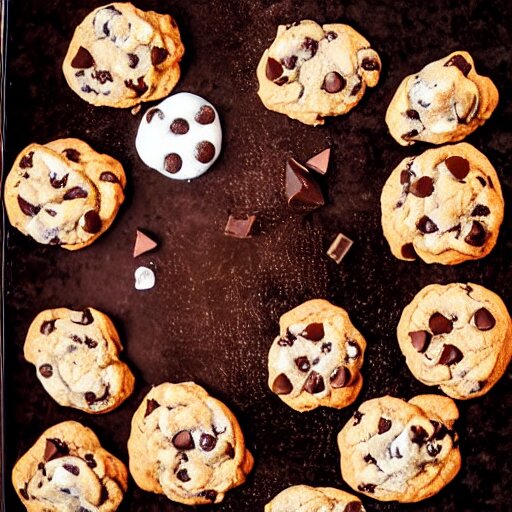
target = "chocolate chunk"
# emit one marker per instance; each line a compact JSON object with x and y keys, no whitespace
{"x":90,"y":343}
{"x":339,"y":247}
{"x":340,"y":377}
{"x":331,"y":36}
{"x":427,"y":226}
{"x":143,"y":244}
{"x":314,"y":383}
{"x":333,"y":82}
{"x":102,"y":76}
{"x":319,"y":162}
{"x":133,"y":60}
{"x":89,"y":460}
{"x":419,"y":435}
{"x":310,"y":46}
{"x":412,"y":114}
{"x":72,"y":154}
{"x":409,"y":252}
{"x":409,"y":135}
{"x":139,"y":88}
{"x":205,"y":115}
{"x":151,"y":405}
{"x":205,"y":151}
{"x":239,"y":228}
{"x":458,"y":166}
{"x":367,"y":488}
{"x":109,"y":177}
{"x":173,"y":163}
{"x":422,"y":187}
{"x":477,"y":235}
{"x":353,"y":506}
{"x":83,"y":59}
{"x":75,"y":193}
{"x":461,"y":63}
{"x":152,"y":112}
{"x":326,"y":348}
{"x":289,"y":62}
{"x":451,"y":355}
{"x":420,"y":340}
{"x":179,"y":126}
{"x":47,"y":327}
{"x":313,"y":332}
{"x":369,"y":459}
{"x":46,"y":370}
{"x":384,"y":425}
{"x":302,"y":363}
{"x":480,"y":210}
{"x":370,"y":64}
{"x":26,"y":161}
{"x":54,"y":449}
{"x":183,"y":440}
{"x":86,"y":319}
{"x":439,"y":324}
{"x":182,"y":475}
{"x":282,"y":385}
{"x":274,"y":69}
{"x":357,"y":418}
{"x":158,"y":55}
{"x":27,"y":208}
{"x":302,"y":191}
{"x":484,"y":320}
{"x":207,"y":442}
{"x":210,"y":495}
{"x":92,"y":222}
{"x":74,"y":470}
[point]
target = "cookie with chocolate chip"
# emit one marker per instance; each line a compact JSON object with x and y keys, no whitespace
{"x":76,"y":355}
{"x":393,"y":450}
{"x":64,"y":193}
{"x":316,"y":359}
{"x":181,"y":137}
{"x":121,"y":56}
{"x":443,"y":206}
{"x":444,"y":102}
{"x":187,"y":445}
{"x":458,"y":337}
{"x":67,"y":470}
{"x":303,"y":498}
{"x":311,"y":72}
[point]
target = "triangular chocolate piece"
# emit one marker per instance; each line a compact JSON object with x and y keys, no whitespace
{"x":302,"y":191}
{"x":143,"y":244}
{"x":319,"y":163}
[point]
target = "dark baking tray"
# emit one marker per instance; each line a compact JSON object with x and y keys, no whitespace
{"x":214,"y":311}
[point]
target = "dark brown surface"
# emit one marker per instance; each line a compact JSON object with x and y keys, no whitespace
{"x":214,"y":310}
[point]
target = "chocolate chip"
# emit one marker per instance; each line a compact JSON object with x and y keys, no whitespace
{"x":409,"y":135}
{"x":302,"y":363}
{"x":182,"y":475}
{"x":89,"y":460}
{"x":90,"y":343}
{"x":482,"y":181}
{"x":207,"y":442}
{"x":480,"y":210}
{"x":151,"y":405}
{"x":353,"y":506}
{"x":313,"y":332}
{"x":183,"y":440}
{"x":24,"y":493}
{"x":420,"y":340}
{"x":27,"y":208}
{"x":384,"y":425}
{"x":46,"y":370}
{"x":92,"y":222}
{"x":367,"y":488}
{"x":289,"y":62}
{"x":451,"y":355}
{"x":484,"y":320}
{"x":230,"y":451}
{"x":285,"y":342}
{"x":425,"y":225}
{"x":477,"y":235}
{"x":461,"y":63}
{"x":133,"y":60}
{"x":326,"y":347}
{"x":409,"y":252}
{"x":83,"y":59}
{"x":370,"y":64}
{"x":86,"y":318}
{"x":210,"y":495}
{"x":490,"y":182}
{"x":357,"y":418}
{"x":412,"y":114}
{"x":152,"y":112}
{"x":158,"y":55}
{"x":439,"y":324}
{"x":74,"y":470}
{"x":90,"y":397}
{"x":173,"y":163}
{"x":205,"y":115}
{"x":331,"y":36}
{"x":440,"y":430}
{"x":282,"y":385}
{"x":419,"y":435}
{"x":333,"y":82}
{"x":54,"y":449}
{"x":26,"y":161}
{"x":369,"y":459}
{"x":205,"y":151}
{"x":72,"y":154}
{"x":179,"y":126}
{"x":422,"y":187}
{"x":47,"y":327}
{"x":340,"y":377}
{"x":458,"y":166}
{"x":102,"y":76}
{"x":75,"y":193}
{"x":310,"y":46}
{"x":314,"y":383}
{"x":76,"y":338}
{"x":139,"y":88}
{"x":356,"y":89}
{"x":109,"y":177}
{"x":433,"y":449}
{"x":274,"y":69}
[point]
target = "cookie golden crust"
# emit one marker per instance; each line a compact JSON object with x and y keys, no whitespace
{"x":317,"y":357}
{"x":121,"y":56}
{"x":187,"y":445}
{"x":76,"y":358}
{"x":456,"y":336}
{"x":393,"y":450}
{"x":67,"y":470}
{"x":443,"y":206}
{"x":312,"y":71}
{"x":64,"y":193}
{"x":444,"y":102}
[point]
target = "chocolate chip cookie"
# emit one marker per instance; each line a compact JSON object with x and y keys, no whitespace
{"x":181,"y":137}
{"x":63,"y":193}
{"x":444,"y":102}
{"x":317,"y":357}
{"x":457,"y":336}
{"x":76,"y":358}
{"x":443,"y":206}
{"x":121,"y":56}
{"x":187,"y":445}
{"x":397,"y":450}
{"x":312,"y":71}
{"x":67,"y":470}
{"x":303,"y":498}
